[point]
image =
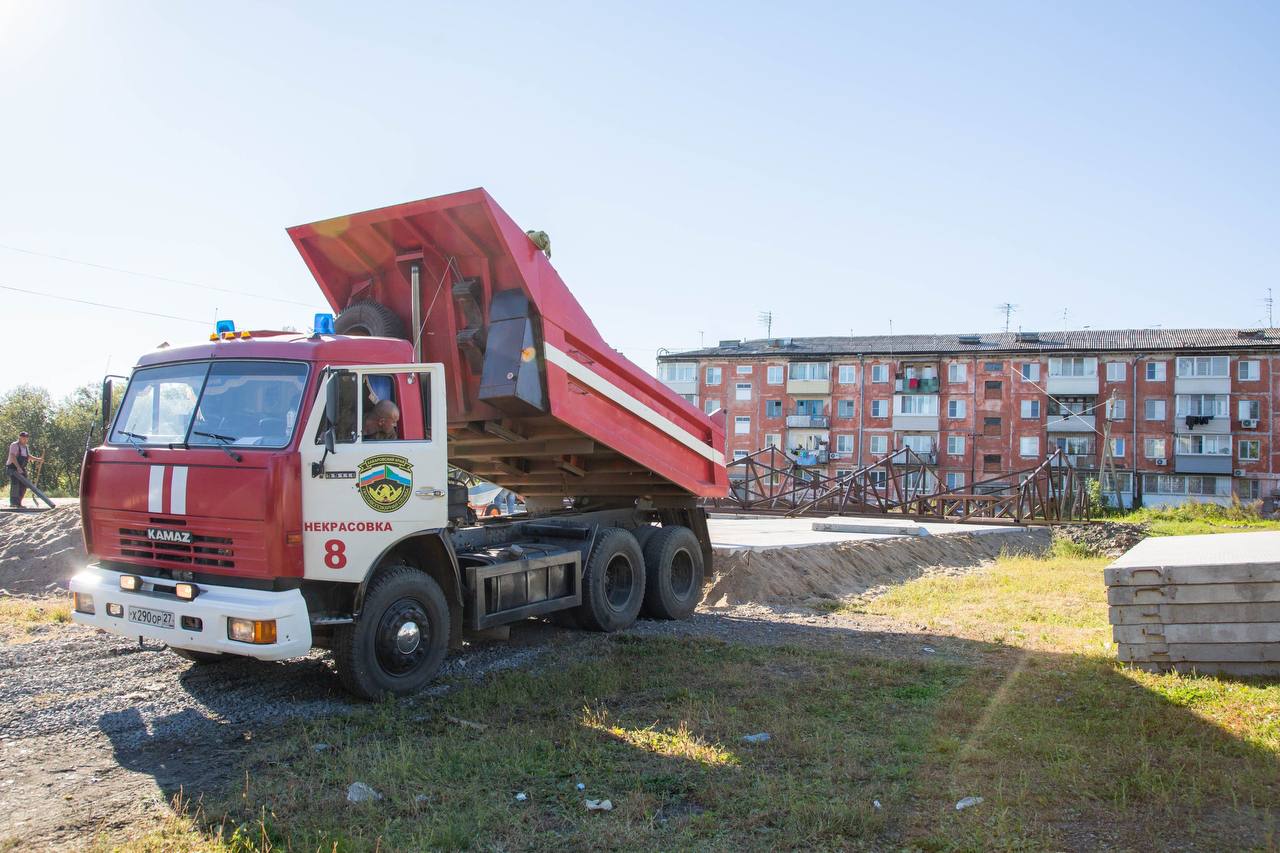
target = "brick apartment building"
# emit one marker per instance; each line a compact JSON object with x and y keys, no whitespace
{"x":1190,"y":413}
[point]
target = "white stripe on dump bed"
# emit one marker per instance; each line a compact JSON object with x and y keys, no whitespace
{"x":178,"y":491}
{"x":598,"y":383}
{"x":155,"y":489}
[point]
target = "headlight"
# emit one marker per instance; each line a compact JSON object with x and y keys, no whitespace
{"x":130,"y":583}
{"x":83,"y":602}
{"x":186,"y":591}
{"x":258,"y":632}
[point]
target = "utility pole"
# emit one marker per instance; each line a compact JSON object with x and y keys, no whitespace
{"x":1107,"y":468}
{"x":1269,"y":302}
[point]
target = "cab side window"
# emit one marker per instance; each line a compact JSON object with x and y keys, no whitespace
{"x":345,"y":431}
{"x":382,"y":414}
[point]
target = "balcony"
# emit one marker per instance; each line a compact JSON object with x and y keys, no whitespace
{"x":1202,"y":425}
{"x":1202,"y":385}
{"x":809,"y":387}
{"x":1068,"y":422}
{"x":1072,"y":386}
{"x":928,"y":457}
{"x":809,"y":457}
{"x":1195,"y":463}
{"x":921,"y":386}
{"x":808,"y":421}
{"x":1079,"y":461}
{"x":914,"y":423}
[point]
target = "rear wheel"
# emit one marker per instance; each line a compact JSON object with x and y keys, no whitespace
{"x":612,"y":582}
{"x":400,"y":639}
{"x":198,"y":657}
{"x":673,"y":562}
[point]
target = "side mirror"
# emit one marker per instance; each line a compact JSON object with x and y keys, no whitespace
{"x":106,"y":406}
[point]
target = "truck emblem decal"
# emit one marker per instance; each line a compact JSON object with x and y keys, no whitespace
{"x":385,"y":481}
{"x":156,"y":534}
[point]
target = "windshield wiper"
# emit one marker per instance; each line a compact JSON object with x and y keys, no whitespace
{"x":134,"y":438}
{"x":223,"y":441}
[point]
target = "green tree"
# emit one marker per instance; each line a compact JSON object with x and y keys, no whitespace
{"x":59,"y":431}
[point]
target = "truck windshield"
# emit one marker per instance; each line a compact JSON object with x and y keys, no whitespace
{"x":242,"y":403}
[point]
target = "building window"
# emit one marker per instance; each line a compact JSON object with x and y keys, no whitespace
{"x":992,"y":366}
{"x":711,"y":405}
{"x":844,"y":444}
{"x":813,"y":408}
{"x":742,"y":425}
{"x":879,"y":373}
{"x":845,"y":409}
{"x":1123,"y":481}
{"x":1153,"y":410}
{"x":956,"y":372}
{"x":1201,"y":405}
{"x":773,"y":408}
{"x":743,"y":369}
{"x":879,"y":408}
{"x":878,"y":478}
{"x":918,"y":404}
{"x":678,"y":372}
{"x":773,"y":374}
{"x":841,"y":473}
{"x":1030,"y":410}
{"x":955,"y":445}
{"x":1073,"y":367}
{"x":773,"y":439}
{"x":1203,"y":367}
{"x":990,"y":426}
{"x":739,"y":454}
{"x":742,"y":391}
{"x":1174,"y":484}
{"x":690,"y":398}
{"x":1115,"y":371}
{"x":1029,"y":446}
{"x":847,"y":374}
{"x":810,"y":371}
{"x":955,"y":480}
{"x":878,"y":445}
{"x":1153,"y":448}
{"x":1249,"y":490}
{"x":1155,"y":371}
{"x":1115,"y":409}
{"x":991,"y":389}
{"x":1249,"y":410}
{"x":1248,"y":372}
{"x":1030,"y":371}
{"x":1117,"y":447}
{"x":991,"y":462}
{"x":955,"y":408}
{"x":1203,"y":445}
{"x":1250,"y":449}
{"x":714,"y":376}
{"x":1074,"y":445}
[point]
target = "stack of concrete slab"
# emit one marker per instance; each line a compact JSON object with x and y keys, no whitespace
{"x":1204,"y":603}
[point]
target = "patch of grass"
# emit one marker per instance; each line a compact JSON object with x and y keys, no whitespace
{"x":1194,"y":517}
{"x":21,"y":617}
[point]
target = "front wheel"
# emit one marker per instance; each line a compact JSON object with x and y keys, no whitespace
{"x":400,"y":639}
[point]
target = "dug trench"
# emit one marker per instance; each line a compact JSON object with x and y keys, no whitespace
{"x":99,"y":734}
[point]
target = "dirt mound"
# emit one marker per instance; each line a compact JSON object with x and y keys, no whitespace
{"x":40,"y":551}
{"x":1104,"y":538}
{"x":844,"y":569}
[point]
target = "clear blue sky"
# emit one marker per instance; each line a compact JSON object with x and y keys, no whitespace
{"x":846,"y":166}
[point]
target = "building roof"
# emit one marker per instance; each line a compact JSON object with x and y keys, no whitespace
{"x":1079,"y":341}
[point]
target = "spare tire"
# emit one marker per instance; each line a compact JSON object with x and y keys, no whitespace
{"x":367,"y":318}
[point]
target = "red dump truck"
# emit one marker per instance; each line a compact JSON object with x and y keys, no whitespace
{"x":263,"y":493}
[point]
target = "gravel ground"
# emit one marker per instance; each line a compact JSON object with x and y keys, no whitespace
{"x":98,"y":734}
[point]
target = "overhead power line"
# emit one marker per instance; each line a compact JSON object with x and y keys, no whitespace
{"x":103,"y":305}
{"x":155,"y":277}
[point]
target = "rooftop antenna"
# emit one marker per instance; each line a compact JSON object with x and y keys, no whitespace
{"x":766,"y":320}
{"x":1064,"y":320}
{"x":1008,"y":308}
{"x":702,"y":339}
{"x":1268,"y":303}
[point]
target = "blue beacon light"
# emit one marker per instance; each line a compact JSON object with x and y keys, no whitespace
{"x":225,"y":326}
{"x":323,"y":324}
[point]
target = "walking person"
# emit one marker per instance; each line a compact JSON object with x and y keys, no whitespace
{"x":16,"y":463}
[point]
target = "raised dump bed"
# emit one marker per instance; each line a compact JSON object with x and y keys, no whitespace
{"x":1204,"y":603}
{"x":538,"y":402}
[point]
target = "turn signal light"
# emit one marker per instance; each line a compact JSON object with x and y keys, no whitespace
{"x":259,"y":632}
{"x":83,"y":602}
{"x":293,"y":539}
{"x":130,"y":583}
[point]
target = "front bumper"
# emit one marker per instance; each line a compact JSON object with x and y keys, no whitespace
{"x":213,"y":607}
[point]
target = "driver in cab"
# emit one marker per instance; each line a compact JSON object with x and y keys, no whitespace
{"x":380,"y":422}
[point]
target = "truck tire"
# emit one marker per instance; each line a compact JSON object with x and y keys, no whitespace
{"x":400,"y":638}
{"x":674,"y":571}
{"x":198,"y":657}
{"x":612,"y":582}
{"x":643,"y":533}
{"x":370,"y":319}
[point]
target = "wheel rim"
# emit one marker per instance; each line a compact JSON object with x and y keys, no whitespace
{"x":619,"y":581}
{"x":398,"y":644}
{"x":682,"y":573}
